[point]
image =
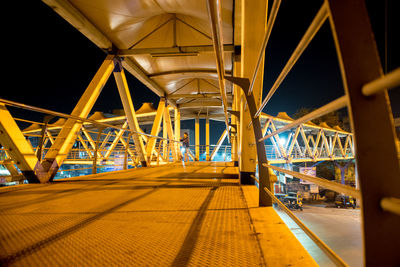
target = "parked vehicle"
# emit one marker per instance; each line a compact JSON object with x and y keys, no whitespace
{"x":342,"y":201}
{"x":293,"y":200}
{"x":280,"y":197}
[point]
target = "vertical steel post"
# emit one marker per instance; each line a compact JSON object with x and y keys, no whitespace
{"x":377,"y":162}
{"x":126,"y":151}
{"x":236,"y":141}
{"x":165,"y":142}
{"x":94,"y":166}
{"x":208,"y":138}
{"x":155,"y":129}
{"x":170,"y":133}
{"x":264,"y":175}
{"x":42,"y":136}
{"x":197,"y":138}
{"x":253,"y":26}
{"x":177,"y":129}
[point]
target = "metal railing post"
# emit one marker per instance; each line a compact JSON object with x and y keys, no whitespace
{"x":377,"y":162}
{"x":264,"y":179}
{"x":94,"y":167}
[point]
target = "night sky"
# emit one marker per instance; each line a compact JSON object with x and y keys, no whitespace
{"x":49,"y":63}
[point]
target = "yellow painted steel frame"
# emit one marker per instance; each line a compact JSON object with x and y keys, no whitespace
{"x":90,"y":140}
{"x":127,"y":103}
{"x":85,"y":146}
{"x":117,"y":138}
{"x":197,"y":137}
{"x":219,"y":143}
{"x":18,"y":147}
{"x":67,"y":136}
{"x":254,"y":17}
{"x":177,"y":129}
{"x":155,"y":129}
{"x":170,"y":132}
{"x":208,"y":139}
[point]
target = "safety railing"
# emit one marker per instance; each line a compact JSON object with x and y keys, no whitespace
{"x":95,"y":143}
{"x":340,"y":16}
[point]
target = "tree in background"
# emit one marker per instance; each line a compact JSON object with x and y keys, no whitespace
{"x":332,"y":119}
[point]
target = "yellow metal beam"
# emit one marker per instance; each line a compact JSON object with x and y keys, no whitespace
{"x":67,"y":136}
{"x":18,"y":148}
{"x":197,"y":137}
{"x":208,"y":139}
{"x":90,"y":140}
{"x":219,"y":143}
{"x":178,"y":50}
{"x":127,"y":103}
{"x":253,"y":26}
{"x":155,"y":129}
{"x":116,"y":140}
{"x":170,"y":132}
{"x":177,"y":122}
{"x":66,"y":10}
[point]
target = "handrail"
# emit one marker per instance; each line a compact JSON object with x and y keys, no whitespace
{"x":388,"y":81}
{"x":391,"y":204}
{"x":314,"y":27}
{"x":324,"y":247}
{"x":59,"y":114}
{"x":215,"y":17}
{"x":255,"y":178}
{"x":345,"y":189}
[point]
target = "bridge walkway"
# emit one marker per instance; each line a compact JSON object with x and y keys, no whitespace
{"x":172,"y":215}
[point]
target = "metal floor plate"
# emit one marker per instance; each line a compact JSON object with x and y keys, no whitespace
{"x":165,"y":216}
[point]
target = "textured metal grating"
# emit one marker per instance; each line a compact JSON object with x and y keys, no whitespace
{"x":190,"y":216}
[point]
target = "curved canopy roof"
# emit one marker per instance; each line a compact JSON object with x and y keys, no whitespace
{"x":166,"y":44}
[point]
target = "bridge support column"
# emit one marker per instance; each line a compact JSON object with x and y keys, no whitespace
{"x":236,"y":107}
{"x":254,"y":15}
{"x":264,"y":175}
{"x":235,"y":122}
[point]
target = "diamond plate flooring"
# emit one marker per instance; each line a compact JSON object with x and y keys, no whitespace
{"x":194,"y":215}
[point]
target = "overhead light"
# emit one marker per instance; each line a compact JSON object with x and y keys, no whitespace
{"x":178,"y":54}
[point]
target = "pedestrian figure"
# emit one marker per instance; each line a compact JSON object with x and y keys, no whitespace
{"x":185,"y":145}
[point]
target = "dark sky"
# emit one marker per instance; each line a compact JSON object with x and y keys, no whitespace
{"x":49,"y":63}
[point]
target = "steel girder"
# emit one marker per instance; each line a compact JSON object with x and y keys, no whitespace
{"x":18,"y":148}
{"x":127,"y":103}
{"x":155,"y":129}
{"x":66,"y":138}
